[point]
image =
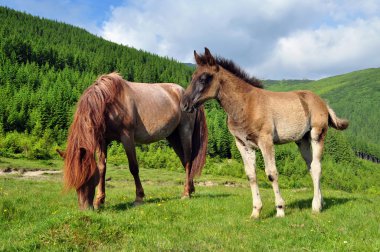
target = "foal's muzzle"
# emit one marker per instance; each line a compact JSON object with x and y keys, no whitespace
{"x":186,"y":105}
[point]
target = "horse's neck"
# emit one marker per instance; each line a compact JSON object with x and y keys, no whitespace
{"x":233,"y":93}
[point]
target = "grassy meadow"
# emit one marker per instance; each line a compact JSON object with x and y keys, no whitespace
{"x":36,"y":215}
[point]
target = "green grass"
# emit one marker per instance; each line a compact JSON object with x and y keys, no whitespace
{"x":51,"y":164}
{"x":36,"y":215}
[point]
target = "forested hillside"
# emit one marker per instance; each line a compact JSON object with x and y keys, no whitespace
{"x":46,"y":65}
{"x":355,"y":96}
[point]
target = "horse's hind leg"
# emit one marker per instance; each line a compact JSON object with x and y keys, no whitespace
{"x":101,"y":193}
{"x":317,"y":140}
{"x":130,"y":149}
{"x":267,"y":149}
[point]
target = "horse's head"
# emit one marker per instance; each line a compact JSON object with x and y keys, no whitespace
{"x":204,"y":84}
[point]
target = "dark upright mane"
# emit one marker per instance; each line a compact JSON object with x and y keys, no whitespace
{"x":230,"y":66}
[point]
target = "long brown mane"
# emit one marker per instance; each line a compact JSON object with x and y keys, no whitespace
{"x":230,"y":66}
{"x":87,"y":130}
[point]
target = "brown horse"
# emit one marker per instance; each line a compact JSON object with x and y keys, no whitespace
{"x":115,"y":109}
{"x":259,"y":118}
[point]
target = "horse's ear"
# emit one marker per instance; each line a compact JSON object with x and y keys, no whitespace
{"x":197,"y":58}
{"x":61,"y":153}
{"x":209,"y":58}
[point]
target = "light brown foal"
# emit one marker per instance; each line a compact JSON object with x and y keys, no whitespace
{"x":259,"y":119}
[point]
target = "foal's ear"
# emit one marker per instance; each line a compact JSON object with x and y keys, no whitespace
{"x":209,"y":58}
{"x":198,"y":59}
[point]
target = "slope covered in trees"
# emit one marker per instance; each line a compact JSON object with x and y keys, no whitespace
{"x":46,"y":65}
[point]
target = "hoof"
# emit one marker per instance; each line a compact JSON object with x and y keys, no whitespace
{"x":99,"y":203}
{"x":255,"y":216}
{"x":138,"y":203}
{"x":316,"y":206}
{"x":280,"y":213}
{"x":317,"y":209}
{"x":184,"y":197}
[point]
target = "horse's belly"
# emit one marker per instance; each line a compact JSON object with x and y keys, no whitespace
{"x":290,"y":131}
{"x":156,"y":130}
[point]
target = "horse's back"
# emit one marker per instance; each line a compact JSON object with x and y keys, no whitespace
{"x":157,"y":109}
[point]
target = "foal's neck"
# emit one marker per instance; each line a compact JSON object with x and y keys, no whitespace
{"x":233,"y":92}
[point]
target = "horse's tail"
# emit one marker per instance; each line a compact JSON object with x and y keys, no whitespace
{"x":336,"y":122}
{"x":199,"y":143}
{"x":86,"y":133}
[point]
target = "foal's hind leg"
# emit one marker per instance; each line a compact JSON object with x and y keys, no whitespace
{"x":317,"y":140}
{"x":129,"y":146}
{"x":267,"y":149}
{"x":101,"y":194}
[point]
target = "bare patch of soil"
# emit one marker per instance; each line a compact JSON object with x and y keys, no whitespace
{"x":28,"y":173}
{"x":206,"y":183}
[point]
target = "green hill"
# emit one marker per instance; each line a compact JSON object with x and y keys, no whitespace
{"x":46,"y":65}
{"x":355,"y":96}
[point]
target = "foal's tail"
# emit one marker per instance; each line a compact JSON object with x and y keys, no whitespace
{"x":86,"y":133}
{"x":199,"y":143}
{"x":336,"y":122}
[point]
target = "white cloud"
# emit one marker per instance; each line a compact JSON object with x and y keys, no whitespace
{"x":325,"y":51}
{"x":233,"y":29}
{"x":271,"y":39}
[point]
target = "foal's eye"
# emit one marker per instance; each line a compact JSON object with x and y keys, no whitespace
{"x":205,"y":78}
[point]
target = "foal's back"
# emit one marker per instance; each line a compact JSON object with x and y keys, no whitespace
{"x":292,"y":114}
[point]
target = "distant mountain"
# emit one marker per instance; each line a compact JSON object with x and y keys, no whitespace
{"x":268,"y":83}
{"x":355,"y":96}
{"x":190,"y":65}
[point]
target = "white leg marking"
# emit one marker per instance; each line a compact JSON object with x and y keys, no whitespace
{"x":249,"y":160}
{"x":316,"y":169}
{"x":267,"y":149}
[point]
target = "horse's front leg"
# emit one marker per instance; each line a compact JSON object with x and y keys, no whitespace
{"x":249,"y":159}
{"x":101,"y":192}
{"x":86,"y":192}
{"x":130,"y":149}
{"x":189,"y":184}
{"x":267,"y":149}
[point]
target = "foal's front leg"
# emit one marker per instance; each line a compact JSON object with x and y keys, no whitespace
{"x":267,"y":149}
{"x":249,"y":159}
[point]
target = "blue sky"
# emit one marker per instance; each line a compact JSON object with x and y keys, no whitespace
{"x":270,"y":39}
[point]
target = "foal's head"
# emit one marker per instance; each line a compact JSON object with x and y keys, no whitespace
{"x":204,"y":83}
